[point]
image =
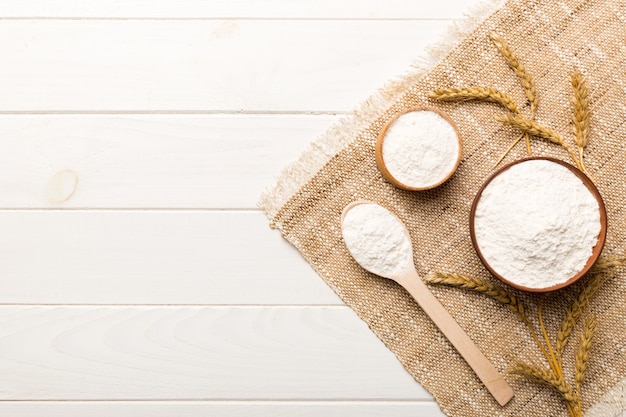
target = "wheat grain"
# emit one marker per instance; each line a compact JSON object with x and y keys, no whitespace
{"x":475,"y":93}
{"x":580,"y":103}
{"x":525,"y":79}
{"x":582,"y":356}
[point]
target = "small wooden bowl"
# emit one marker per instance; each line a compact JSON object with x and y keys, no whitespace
{"x":379,"y":150}
{"x":596,"y":250}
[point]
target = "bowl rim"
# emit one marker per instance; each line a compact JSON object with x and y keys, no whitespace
{"x":380,"y":163}
{"x":597,"y":250}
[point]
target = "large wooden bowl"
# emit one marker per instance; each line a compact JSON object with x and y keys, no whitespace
{"x":596,"y":250}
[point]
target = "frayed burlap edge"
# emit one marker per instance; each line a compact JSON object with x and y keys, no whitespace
{"x":343,"y":132}
{"x":610,"y":404}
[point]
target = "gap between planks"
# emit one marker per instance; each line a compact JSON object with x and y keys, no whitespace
{"x":325,"y":9}
{"x":230,"y":401}
{"x":235,"y":18}
{"x":226,"y":112}
{"x":159,"y":408}
{"x":180,"y":305}
{"x":150,"y":209}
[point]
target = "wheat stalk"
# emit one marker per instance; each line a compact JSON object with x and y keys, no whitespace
{"x":582,"y":356}
{"x":547,"y":377}
{"x":511,"y":146}
{"x":475,"y":93}
{"x":580,"y":102}
{"x":574,"y":312}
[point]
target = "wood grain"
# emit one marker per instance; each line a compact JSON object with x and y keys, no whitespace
{"x":246,"y":9}
{"x":153,"y":257}
{"x":195,"y":353}
{"x":147,"y":161}
{"x":203,"y":66}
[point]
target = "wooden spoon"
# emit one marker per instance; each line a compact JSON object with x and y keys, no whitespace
{"x":409,"y":279}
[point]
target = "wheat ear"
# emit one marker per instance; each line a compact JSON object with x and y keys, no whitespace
{"x":481,"y":94}
{"x":533,"y":128}
{"x":608,"y":262}
{"x":582,"y":356}
{"x":536,"y":129}
{"x":547,"y":377}
{"x":574,"y":312}
{"x":475,"y":93}
{"x":580,"y":102}
{"x":525,"y":79}
{"x":478,"y":285}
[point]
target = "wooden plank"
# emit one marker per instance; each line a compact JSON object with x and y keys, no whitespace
{"x":202,"y":66}
{"x":284,"y":9}
{"x":195,"y":353}
{"x":147,"y":161}
{"x":153,"y":257}
{"x":222,"y":409}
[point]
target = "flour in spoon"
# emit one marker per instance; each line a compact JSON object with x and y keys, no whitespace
{"x":536,"y":224}
{"x":377,"y":240}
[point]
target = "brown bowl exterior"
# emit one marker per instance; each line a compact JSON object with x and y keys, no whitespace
{"x":380,"y":163}
{"x":596,"y":250}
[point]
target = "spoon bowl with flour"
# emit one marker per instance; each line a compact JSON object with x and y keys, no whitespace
{"x":538,"y":224}
{"x":380,"y":243}
{"x":419,"y":149}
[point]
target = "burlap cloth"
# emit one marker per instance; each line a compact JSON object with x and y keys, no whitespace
{"x":551,"y":37}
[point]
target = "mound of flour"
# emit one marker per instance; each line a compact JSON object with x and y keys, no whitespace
{"x":376,"y":239}
{"x":536,"y":224}
{"x":420,"y":149}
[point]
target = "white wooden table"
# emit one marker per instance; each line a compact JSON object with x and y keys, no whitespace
{"x":137,"y":276}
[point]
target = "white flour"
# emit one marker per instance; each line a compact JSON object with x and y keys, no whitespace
{"x":536,"y":224}
{"x":377,"y":240}
{"x":420,"y":148}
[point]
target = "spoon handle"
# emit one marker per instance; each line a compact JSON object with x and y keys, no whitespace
{"x":484,"y":369}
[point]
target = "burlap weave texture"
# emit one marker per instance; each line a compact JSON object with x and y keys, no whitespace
{"x":551,"y":38}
